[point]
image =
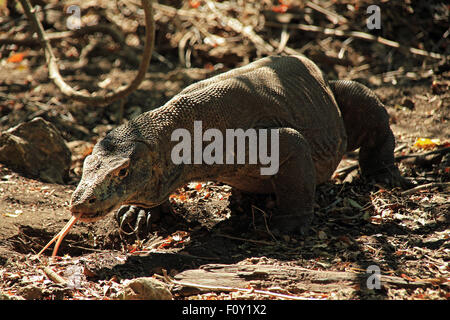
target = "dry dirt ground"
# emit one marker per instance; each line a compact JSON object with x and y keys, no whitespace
{"x":357,"y":224}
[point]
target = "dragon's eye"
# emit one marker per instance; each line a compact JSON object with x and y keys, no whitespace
{"x":123,"y":173}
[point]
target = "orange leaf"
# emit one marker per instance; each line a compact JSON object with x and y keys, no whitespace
{"x":17,"y":57}
{"x":209,"y":66}
{"x":400,"y":252}
{"x":194,"y":4}
{"x":404,"y":276}
{"x":198,"y":187}
{"x":87,"y":151}
{"x":282,"y":8}
{"x":425,"y":143}
{"x":180,"y":197}
{"x":132,"y":249}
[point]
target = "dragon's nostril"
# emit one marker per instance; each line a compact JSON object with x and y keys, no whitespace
{"x":92,"y":200}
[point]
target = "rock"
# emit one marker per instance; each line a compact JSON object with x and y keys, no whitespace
{"x":36,"y":148}
{"x":30,"y":292}
{"x":145,"y":288}
{"x":4,"y":296}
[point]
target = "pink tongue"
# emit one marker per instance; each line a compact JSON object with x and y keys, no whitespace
{"x":60,"y":236}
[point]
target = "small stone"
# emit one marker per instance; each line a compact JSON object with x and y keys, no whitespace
{"x":145,"y":288}
{"x":30,"y":292}
{"x":36,"y":149}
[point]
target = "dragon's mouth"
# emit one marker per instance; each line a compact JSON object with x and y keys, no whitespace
{"x":95,"y":216}
{"x":101,"y":213}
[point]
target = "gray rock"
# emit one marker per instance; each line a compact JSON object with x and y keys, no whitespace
{"x":36,"y":149}
{"x":30,"y":292}
{"x":145,"y":288}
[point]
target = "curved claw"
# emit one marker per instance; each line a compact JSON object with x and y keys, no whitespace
{"x":142,"y":221}
{"x":124,"y":217}
{"x":133,"y":220}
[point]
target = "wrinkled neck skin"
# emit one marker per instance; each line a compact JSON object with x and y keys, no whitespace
{"x":155,"y":128}
{"x":166,"y":178}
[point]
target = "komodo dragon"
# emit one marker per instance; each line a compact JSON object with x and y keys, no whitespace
{"x":318,"y":122}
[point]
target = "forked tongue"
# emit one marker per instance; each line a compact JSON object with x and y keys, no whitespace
{"x":60,"y":236}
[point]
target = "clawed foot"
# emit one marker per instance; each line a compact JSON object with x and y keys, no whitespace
{"x":133,"y":220}
{"x":392,"y":178}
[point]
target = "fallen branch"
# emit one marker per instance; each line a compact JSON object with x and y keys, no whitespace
{"x":238,"y":27}
{"x":67,"y":90}
{"x":247,"y":240}
{"x":52,"y":275}
{"x":426,"y":186}
{"x":223,"y":277}
{"x":332,"y":16}
{"x":358,"y":35}
{"x":397,"y":159}
{"x":234,"y":289}
{"x":415,"y":155}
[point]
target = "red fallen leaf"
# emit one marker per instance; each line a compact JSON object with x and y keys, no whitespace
{"x":88,"y":151}
{"x":168,"y":242}
{"x":209,"y":66}
{"x":198,"y":187}
{"x":181,"y":197}
{"x":132,"y":249}
{"x":282,"y":8}
{"x":194,"y":4}
{"x":17,"y":57}
{"x":400,"y":252}
{"x":404,"y":276}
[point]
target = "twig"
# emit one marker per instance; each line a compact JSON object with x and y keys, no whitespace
{"x":233,"y":289}
{"x":332,"y":16}
{"x":246,"y":31}
{"x":265,"y":220}
{"x":398,"y":158}
{"x":115,"y":34}
{"x":247,"y":240}
{"x":260,"y":43}
{"x":283,"y":40}
{"x":181,"y":45}
{"x":415,"y":155}
{"x":347,"y":169}
{"x":358,"y":35}
{"x":52,"y":275}
{"x":67,"y":90}
{"x":425,"y":186}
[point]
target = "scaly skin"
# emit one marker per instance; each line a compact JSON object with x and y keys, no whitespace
{"x":132,"y":164}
